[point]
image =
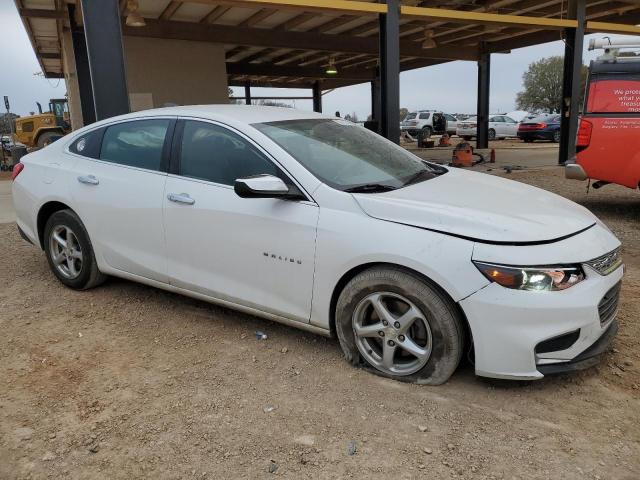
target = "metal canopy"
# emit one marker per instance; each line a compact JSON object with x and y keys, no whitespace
{"x":289,"y":43}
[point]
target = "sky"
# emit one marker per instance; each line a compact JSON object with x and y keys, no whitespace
{"x":450,"y":87}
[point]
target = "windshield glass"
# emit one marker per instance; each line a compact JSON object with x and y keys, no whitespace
{"x":347,"y":156}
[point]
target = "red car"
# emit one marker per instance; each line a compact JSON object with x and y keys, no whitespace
{"x":608,"y":143}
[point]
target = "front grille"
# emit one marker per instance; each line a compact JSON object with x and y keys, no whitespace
{"x":606,"y":263}
{"x":609,"y":304}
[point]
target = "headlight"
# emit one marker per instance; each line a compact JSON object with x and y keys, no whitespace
{"x":532,"y":278}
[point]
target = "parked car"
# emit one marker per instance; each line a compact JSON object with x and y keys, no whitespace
{"x":546,"y":127}
{"x":428,"y":122}
{"x":608,"y":140}
{"x":321,"y":224}
{"x":500,"y":127}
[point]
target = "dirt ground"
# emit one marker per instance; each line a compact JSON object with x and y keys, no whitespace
{"x":125,"y":381}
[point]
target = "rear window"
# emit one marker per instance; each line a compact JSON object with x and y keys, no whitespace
{"x":611,"y":93}
{"x":411,"y":116}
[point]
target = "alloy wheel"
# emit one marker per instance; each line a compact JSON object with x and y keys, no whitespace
{"x":392,"y":334}
{"x":65,"y":251}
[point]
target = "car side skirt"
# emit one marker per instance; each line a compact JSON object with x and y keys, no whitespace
{"x":224,"y":303}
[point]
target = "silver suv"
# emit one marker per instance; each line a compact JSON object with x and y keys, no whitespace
{"x":429,"y":122}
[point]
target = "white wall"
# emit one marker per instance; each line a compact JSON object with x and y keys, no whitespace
{"x":161,"y":71}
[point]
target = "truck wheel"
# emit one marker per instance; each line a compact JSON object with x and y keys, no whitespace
{"x":399,"y":326}
{"x":45,"y":138}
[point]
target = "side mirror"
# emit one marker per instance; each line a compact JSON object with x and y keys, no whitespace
{"x":264,"y":186}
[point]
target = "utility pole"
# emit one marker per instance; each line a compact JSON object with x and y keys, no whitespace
{"x":8,"y":117}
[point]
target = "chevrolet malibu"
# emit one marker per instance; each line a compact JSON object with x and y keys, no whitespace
{"x":318,"y":223}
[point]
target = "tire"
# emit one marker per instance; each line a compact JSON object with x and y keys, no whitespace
{"x":45,"y":138}
{"x":492,"y":134}
{"x":556,"y":137}
{"x":426,"y":132}
{"x":78,"y":273}
{"x":437,"y":327}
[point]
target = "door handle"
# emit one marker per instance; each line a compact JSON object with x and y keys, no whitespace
{"x":181,"y":198}
{"x":88,"y":180}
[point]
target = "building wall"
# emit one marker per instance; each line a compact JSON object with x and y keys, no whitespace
{"x":161,"y":71}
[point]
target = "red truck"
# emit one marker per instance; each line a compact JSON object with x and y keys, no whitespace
{"x":608,"y":141}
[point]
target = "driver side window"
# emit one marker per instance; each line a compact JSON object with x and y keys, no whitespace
{"x":213,"y":153}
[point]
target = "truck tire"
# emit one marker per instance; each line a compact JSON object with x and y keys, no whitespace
{"x":45,"y":138}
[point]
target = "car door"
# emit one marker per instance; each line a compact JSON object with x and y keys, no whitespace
{"x":121,"y":173}
{"x":497,"y":124}
{"x":510,"y":126}
{"x":255,"y":252}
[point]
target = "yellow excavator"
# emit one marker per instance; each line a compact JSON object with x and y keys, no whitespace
{"x":43,"y":128}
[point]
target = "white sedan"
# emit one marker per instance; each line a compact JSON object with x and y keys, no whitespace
{"x":318,"y":223}
{"x":500,"y":127}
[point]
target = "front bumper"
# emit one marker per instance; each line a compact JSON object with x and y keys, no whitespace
{"x":413,"y":131}
{"x":589,"y":358}
{"x":507,"y":325}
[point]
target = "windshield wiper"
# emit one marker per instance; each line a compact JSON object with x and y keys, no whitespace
{"x":425,"y":174}
{"x":370,"y":188}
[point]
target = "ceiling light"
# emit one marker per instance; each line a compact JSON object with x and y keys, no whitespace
{"x":331,"y":69}
{"x":429,"y":41}
{"x":134,"y":19}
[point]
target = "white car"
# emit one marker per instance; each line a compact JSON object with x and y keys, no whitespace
{"x":500,"y":127}
{"x":318,"y":223}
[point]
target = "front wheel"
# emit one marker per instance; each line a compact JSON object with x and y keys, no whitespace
{"x":556,"y":136}
{"x":426,"y":132}
{"x":69,"y":251}
{"x":399,"y":326}
{"x":492,"y":134}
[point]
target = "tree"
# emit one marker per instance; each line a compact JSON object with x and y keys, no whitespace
{"x":403,"y":113}
{"x":543,"y":85}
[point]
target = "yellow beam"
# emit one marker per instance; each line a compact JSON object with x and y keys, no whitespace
{"x":607,"y":27}
{"x":334,"y":6}
{"x":461,"y":16}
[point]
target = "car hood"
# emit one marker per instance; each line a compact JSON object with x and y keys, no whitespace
{"x":480,"y":207}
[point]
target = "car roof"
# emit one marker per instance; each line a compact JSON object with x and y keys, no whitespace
{"x":246,"y":114}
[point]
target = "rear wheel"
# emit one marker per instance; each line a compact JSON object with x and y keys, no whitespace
{"x":69,"y":251}
{"x":492,"y":134}
{"x":399,"y":326}
{"x":556,"y":136}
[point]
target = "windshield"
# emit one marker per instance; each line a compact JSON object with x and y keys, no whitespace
{"x":346,"y":156}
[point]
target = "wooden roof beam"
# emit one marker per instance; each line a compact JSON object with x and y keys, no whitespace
{"x":171,"y":8}
{"x":260,"y":37}
{"x":324,"y":6}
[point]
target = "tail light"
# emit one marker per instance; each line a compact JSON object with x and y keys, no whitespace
{"x":584,"y":134}
{"x":17,"y":168}
{"x":532,"y":126}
